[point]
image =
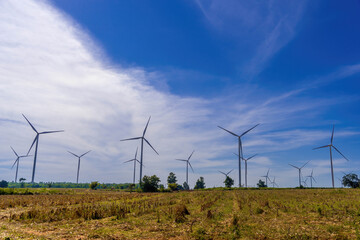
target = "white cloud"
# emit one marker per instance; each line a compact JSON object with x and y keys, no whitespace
{"x":263,"y":27}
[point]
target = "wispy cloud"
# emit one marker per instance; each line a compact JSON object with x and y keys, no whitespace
{"x":266,"y":26}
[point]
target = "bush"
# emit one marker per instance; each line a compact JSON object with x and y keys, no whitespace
{"x":173,"y":186}
{"x":200,"y":184}
{"x":229,"y":182}
{"x":261,"y":183}
{"x":351,"y":180}
{"x":94,"y":185}
{"x":4,"y":184}
{"x":150,"y":184}
{"x":171,"y":178}
{"x":186,"y":186}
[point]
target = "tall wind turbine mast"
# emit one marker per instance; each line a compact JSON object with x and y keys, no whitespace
{"x":311,"y":178}
{"x":299,"y":168}
{"x":330,"y":146}
{"x":246,"y":160}
{"x":17,"y":162}
{"x":267,"y":177}
{"x":187,"y":166}
{"x":78,"y":169}
{"x":36,"y":140}
{"x":142,"y":146}
{"x":240,"y":154}
{"x":134,"y":160}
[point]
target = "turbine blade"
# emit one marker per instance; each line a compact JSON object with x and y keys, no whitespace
{"x":229,"y":172}
{"x":293,"y":166}
{"x":313,"y":178}
{"x":146,"y":127}
{"x":140,"y":163}
{"x":14,"y":151}
{"x":30,"y":123}
{"x":17,"y":159}
{"x":130,"y":160}
{"x":85,"y":153}
{"x":136,"y":152}
{"x":322,"y":147}
{"x":229,"y":132}
{"x":249,"y":130}
{"x":35,"y":139}
{"x":51,"y":132}
{"x":181,"y":160}
{"x":191,"y":154}
{"x":73,"y":154}
{"x":251,"y":157}
{"x":340,"y":153}
{"x":305,"y":164}
{"x":222,"y":173}
{"x":236,"y":154}
{"x":151,"y":146}
{"x":135,"y":138}
{"x":332,"y":135}
{"x":191,"y":166}
{"x":25,"y":156}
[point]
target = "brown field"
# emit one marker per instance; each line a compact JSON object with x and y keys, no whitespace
{"x":211,"y":214}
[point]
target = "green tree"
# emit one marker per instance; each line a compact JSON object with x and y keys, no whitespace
{"x":150,"y":184}
{"x":351,"y":180}
{"x":94,"y":185}
{"x":173,"y":186}
{"x":186,"y":186}
{"x":200,"y":184}
{"x":261,"y":183}
{"x":22,"y":182}
{"x":4,"y":184}
{"x":229,"y":182}
{"x":171,"y":178}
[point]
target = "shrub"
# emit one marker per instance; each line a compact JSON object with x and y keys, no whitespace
{"x":229,"y":182}
{"x":200,"y":184}
{"x":94,"y":185}
{"x":150,"y":184}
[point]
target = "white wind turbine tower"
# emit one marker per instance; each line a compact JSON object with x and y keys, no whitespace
{"x":311,"y":178}
{"x":267,"y":177}
{"x":142,"y":146}
{"x":240,"y":152}
{"x":299,"y":168}
{"x":330,"y":146}
{"x":187,"y":166}
{"x":36,"y":140}
{"x":17,"y":162}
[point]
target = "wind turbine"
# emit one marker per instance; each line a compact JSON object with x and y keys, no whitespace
{"x":245,"y":160}
{"x":36,"y":146}
{"x":79,"y":157}
{"x":311,"y":178}
{"x":187,"y":166}
{"x":226,"y":174}
{"x":304,"y":182}
{"x":331,"y":162}
{"x":274,"y":183}
{"x":17,"y":162}
{"x":240,"y":154}
{"x":134,"y":160}
{"x":267,"y":177}
{"x":142,"y":146}
{"x":299,"y":171}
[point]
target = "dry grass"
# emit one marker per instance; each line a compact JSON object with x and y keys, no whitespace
{"x":216,"y":214}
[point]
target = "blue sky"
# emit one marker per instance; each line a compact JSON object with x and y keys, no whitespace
{"x":103,"y":67}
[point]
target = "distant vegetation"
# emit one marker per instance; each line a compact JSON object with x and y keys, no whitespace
{"x":68,"y":185}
